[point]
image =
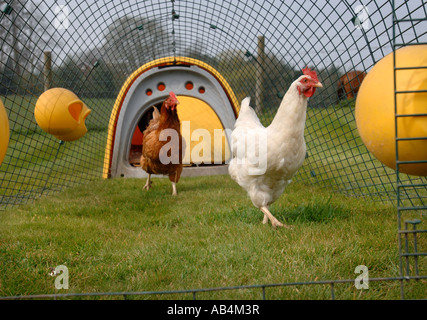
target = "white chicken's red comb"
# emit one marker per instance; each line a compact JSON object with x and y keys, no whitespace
{"x":310,"y":73}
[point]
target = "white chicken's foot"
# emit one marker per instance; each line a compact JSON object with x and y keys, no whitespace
{"x":274,"y":222}
{"x":148,"y":183}
{"x":174,"y":189}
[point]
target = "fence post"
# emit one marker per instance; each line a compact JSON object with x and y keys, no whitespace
{"x":47,"y":70}
{"x":259,"y":87}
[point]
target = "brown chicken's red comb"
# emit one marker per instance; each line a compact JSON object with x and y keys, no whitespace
{"x":172,"y":95}
{"x":310,"y":73}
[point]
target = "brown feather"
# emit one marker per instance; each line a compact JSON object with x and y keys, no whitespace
{"x":349,"y":84}
{"x":152,"y":145}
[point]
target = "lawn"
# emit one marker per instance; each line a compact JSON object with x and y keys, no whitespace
{"x":113,"y":236}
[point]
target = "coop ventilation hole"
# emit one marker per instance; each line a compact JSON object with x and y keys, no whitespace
{"x":161,"y":86}
{"x":189,"y":85}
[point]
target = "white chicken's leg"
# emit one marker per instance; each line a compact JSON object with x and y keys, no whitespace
{"x":265,"y":220}
{"x":148,"y":183}
{"x":274,"y":222}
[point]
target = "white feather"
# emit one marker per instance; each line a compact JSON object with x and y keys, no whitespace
{"x":285,"y":148}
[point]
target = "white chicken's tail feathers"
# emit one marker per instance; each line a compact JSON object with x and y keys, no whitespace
{"x":247,"y":115}
{"x":245,"y":103}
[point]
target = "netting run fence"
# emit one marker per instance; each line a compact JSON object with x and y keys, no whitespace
{"x":94,"y":46}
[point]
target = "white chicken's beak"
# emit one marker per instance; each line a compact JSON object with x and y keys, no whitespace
{"x":318,"y":85}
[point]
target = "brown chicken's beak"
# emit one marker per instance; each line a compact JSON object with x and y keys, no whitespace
{"x":318,"y":85}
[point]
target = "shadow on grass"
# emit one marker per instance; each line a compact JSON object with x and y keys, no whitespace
{"x":317,"y":211}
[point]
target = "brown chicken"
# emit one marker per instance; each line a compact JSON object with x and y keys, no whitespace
{"x":349,"y":84}
{"x":162,"y":145}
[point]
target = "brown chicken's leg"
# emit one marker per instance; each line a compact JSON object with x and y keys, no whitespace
{"x":174,"y":178}
{"x":148,"y":183}
{"x":274,"y":222}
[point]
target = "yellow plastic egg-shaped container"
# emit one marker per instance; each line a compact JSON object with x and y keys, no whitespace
{"x":80,"y":130}
{"x":61,"y":113}
{"x":375,"y":115}
{"x":4,"y":132}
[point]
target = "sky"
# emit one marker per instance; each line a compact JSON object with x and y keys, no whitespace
{"x":299,"y":31}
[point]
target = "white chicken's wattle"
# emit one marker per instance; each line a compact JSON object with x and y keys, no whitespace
{"x":266,"y":158}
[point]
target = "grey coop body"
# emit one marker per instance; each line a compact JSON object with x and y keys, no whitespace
{"x":142,"y":93}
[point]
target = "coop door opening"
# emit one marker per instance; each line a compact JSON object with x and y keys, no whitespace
{"x":203,"y":132}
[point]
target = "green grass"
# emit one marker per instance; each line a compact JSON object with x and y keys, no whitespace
{"x":38,"y":164}
{"x":113,"y":236}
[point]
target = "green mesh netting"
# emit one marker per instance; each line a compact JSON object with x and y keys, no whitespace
{"x":96,"y":45}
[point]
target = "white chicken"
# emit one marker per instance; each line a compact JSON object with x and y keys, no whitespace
{"x":265,"y":158}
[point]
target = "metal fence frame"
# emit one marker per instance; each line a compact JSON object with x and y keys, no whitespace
{"x":403,"y":207}
{"x":195,"y":292}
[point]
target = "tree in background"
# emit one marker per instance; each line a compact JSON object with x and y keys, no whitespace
{"x":130,"y":42}
{"x":24,"y":34}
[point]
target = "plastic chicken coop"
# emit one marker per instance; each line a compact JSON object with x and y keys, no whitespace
{"x":122,"y":57}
